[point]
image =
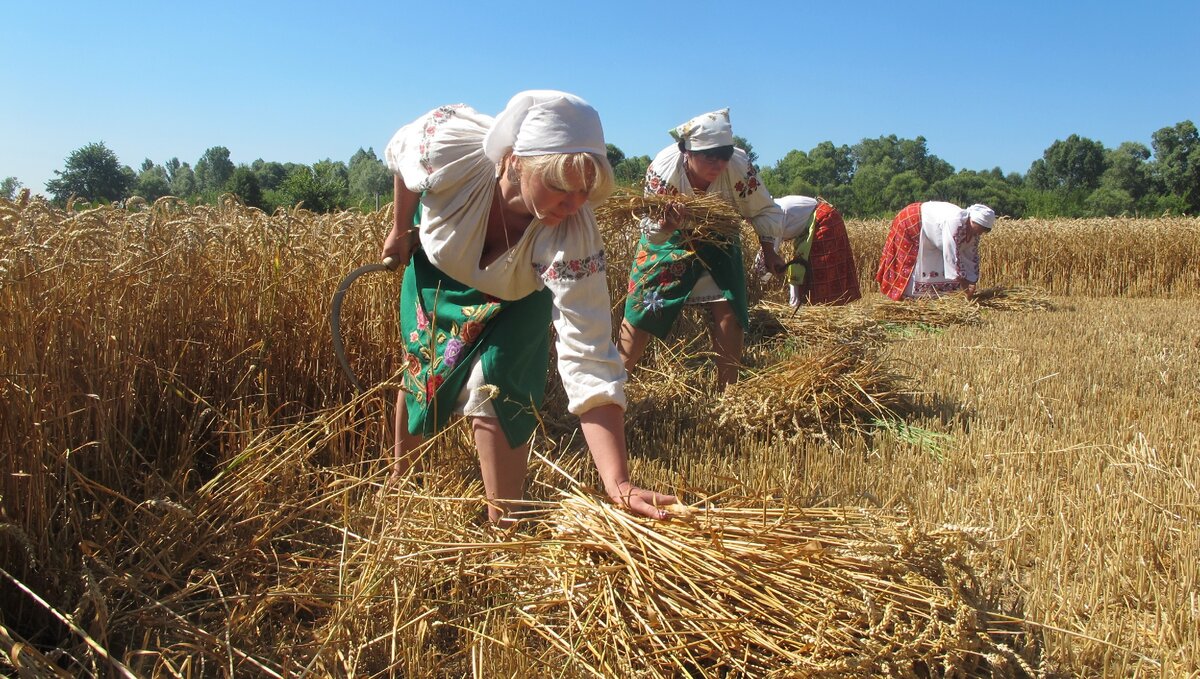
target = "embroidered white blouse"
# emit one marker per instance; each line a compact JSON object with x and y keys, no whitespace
{"x":440,"y":155}
{"x":739,"y":185}
{"x":945,"y":252}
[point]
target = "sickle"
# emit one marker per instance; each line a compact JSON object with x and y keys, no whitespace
{"x":335,"y":312}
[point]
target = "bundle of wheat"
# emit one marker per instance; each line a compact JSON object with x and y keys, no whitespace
{"x":1013,"y":298}
{"x":707,"y":218}
{"x":832,"y":384}
{"x":813,"y":324}
{"x":940,"y":312}
{"x":757,"y":590}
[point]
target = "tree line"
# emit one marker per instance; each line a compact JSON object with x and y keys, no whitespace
{"x":1075,"y":177}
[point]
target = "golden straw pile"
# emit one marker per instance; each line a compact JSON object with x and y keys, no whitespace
{"x":1013,"y":298}
{"x":708,"y":218}
{"x":757,"y":591}
{"x":836,"y":383}
{"x":940,"y":312}
{"x":813,"y":323}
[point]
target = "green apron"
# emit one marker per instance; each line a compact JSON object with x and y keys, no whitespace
{"x":663,"y":276}
{"x":447,"y":325}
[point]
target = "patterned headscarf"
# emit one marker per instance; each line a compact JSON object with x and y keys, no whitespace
{"x":705,"y":131}
{"x":982,"y":215}
{"x":541,"y":122}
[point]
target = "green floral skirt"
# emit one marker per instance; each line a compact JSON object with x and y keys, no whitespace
{"x":663,"y":276}
{"x":446,"y":326}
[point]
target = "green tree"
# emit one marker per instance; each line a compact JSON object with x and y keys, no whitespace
{"x":321,"y":188}
{"x":370,"y":181}
{"x":902,"y":155}
{"x":869,"y":187}
{"x":183,"y":181}
{"x":631,"y":170}
{"x":824,"y":171}
{"x":1074,"y":164}
{"x":213,"y":170}
{"x":172,"y":166}
{"x":9,"y":188}
{"x":615,"y":154}
{"x":244,"y":184}
{"x":1177,"y":162}
{"x":991,"y":188}
{"x":1108,"y":201}
{"x":745,"y":145}
{"x":270,"y":174}
{"x":904,"y":188}
{"x":1127,"y":174}
{"x":93,"y":173}
{"x":152,"y":182}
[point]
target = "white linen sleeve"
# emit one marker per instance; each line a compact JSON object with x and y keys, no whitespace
{"x":436,"y":144}
{"x":968,"y":259}
{"x":950,"y":238}
{"x":573,"y":268}
{"x":754,"y":200}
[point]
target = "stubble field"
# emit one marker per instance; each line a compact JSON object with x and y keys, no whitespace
{"x":191,"y":488}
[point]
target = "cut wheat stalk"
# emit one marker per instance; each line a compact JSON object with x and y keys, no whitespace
{"x":708,"y":218}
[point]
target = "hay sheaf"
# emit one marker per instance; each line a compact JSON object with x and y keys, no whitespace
{"x":812,"y":324}
{"x":707,"y":217}
{"x":834,"y":383}
{"x":756,"y":590}
{"x":939,"y":312}
{"x":1013,"y":298}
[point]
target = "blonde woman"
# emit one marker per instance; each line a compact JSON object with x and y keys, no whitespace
{"x":507,"y":244}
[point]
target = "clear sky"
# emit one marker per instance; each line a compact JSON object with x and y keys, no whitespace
{"x":986,"y":83}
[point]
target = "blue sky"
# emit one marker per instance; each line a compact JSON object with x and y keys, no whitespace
{"x":987,"y":84}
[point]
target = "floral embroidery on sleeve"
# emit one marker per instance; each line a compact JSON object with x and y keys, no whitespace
{"x":750,"y":185}
{"x":573,"y":269}
{"x":438,"y":117}
{"x":658,"y":185}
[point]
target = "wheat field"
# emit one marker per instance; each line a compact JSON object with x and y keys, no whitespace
{"x":190,"y":487}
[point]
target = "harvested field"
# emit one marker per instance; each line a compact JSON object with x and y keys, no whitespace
{"x":190,"y":487}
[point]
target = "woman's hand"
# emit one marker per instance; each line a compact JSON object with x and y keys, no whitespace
{"x":641,"y":501}
{"x":771,"y":259}
{"x":674,"y":216}
{"x":399,"y":244}
{"x":402,"y":239}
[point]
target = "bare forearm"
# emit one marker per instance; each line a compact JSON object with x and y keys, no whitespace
{"x":604,"y":430}
{"x":404,"y":206}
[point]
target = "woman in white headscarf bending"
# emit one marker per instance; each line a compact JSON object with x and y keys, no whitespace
{"x":505,"y":245}
{"x":932,"y":248}
{"x":667,"y":274}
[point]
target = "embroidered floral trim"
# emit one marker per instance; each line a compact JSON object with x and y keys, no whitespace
{"x":658,"y":185}
{"x":750,"y":185}
{"x":573,"y":269}
{"x":435,"y":120}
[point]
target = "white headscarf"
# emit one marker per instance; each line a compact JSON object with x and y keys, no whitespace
{"x":541,"y":122}
{"x":705,"y":131}
{"x":982,"y":215}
